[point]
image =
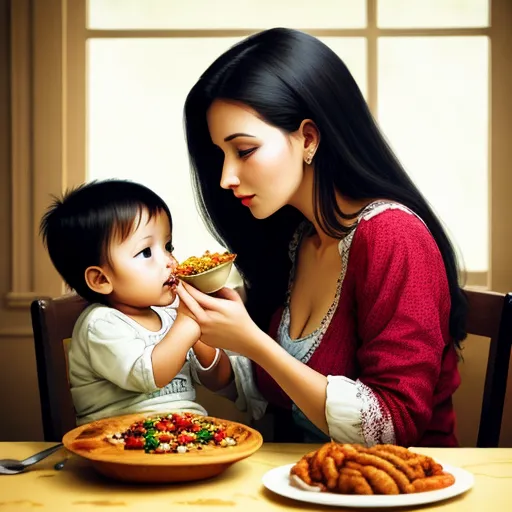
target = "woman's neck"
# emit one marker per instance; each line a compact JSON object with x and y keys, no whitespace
{"x":303,"y":200}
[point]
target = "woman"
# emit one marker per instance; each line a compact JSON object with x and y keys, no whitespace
{"x":346,"y":265}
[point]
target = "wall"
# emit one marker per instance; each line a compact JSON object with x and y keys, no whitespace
{"x":19,"y":400}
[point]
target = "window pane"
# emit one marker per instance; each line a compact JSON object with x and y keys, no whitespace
{"x":352,"y":51}
{"x":432,"y":13}
{"x":136,"y":93}
{"x":433,"y":106}
{"x":224,"y":14}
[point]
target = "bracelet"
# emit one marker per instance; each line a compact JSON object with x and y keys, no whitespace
{"x":214,"y":362}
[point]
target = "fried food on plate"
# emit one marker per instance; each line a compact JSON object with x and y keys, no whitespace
{"x":381,"y":469}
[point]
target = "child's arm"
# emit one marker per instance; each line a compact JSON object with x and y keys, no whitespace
{"x":117,"y":352}
{"x":170,"y":353}
{"x":215,"y":370}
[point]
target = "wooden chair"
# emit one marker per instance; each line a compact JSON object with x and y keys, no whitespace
{"x":52,"y":322}
{"x":490,"y":315}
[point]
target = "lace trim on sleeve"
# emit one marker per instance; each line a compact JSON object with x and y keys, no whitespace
{"x":355,"y":415}
{"x":376,"y":422}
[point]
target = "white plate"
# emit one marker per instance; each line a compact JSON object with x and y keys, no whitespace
{"x":278,"y":480}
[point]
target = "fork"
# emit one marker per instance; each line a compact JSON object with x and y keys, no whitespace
{"x":14,"y":466}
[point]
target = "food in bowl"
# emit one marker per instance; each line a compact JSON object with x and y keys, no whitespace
{"x":381,"y":469}
{"x":174,"y":433}
{"x":208,"y":273}
{"x":197,"y":265}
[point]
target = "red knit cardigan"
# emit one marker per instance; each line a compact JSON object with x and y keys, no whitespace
{"x":390,"y":330}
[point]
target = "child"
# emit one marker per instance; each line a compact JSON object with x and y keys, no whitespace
{"x":134,"y":348}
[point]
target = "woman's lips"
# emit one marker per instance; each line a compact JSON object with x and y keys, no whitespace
{"x":246,"y":201}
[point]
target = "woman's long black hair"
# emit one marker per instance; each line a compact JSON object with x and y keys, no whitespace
{"x":287,"y":76}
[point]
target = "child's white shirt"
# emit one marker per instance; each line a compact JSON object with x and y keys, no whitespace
{"x":110,"y":368}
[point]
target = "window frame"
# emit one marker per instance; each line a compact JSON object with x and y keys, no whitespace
{"x":48,"y":157}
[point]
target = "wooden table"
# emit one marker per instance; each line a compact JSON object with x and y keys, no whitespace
{"x":78,"y":488}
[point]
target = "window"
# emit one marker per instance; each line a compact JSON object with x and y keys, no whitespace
{"x":422,"y":64}
{"x":227,"y":14}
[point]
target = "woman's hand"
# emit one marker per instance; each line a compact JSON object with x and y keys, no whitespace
{"x":225,"y":323}
{"x":223,"y":319}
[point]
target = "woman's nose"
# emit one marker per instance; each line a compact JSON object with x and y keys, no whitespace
{"x":229,"y":178}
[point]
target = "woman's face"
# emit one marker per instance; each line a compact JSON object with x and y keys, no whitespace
{"x":262,"y":165}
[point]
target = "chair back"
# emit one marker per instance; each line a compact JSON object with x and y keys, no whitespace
{"x":52,"y":322}
{"x":490,"y":315}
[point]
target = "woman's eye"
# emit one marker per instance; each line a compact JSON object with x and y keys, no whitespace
{"x":145,"y":253}
{"x":169,"y":247}
{"x":245,"y":152}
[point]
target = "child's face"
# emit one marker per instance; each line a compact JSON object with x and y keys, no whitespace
{"x":142,"y":265}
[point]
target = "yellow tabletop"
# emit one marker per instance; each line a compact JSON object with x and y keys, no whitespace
{"x":78,"y":488}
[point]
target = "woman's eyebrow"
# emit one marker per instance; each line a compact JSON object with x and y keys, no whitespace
{"x":235,"y":135}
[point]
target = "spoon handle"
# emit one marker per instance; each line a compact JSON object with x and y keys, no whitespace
{"x":6,"y":471}
{"x":41,"y":455}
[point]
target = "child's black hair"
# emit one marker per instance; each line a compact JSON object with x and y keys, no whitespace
{"x":77,"y":229}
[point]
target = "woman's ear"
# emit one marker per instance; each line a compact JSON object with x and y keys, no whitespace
{"x":98,"y":281}
{"x":311,"y":137}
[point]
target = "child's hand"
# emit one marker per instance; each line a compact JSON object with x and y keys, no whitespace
{"x":183,"y":309}
{"x":185,"y":318}
{"x":170,"y":353}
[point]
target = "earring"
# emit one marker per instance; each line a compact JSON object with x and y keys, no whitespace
{"x":309,"y":157}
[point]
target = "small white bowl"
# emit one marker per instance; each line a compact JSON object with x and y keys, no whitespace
{"x":211,"y":280}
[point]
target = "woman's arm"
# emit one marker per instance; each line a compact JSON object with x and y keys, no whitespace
{"x":403,"y":309}
{"x":403,"y":321}
{"x":226,"y":324}
{"x":305,"y":386}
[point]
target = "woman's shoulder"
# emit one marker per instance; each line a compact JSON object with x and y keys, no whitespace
{"x":394,"y":239}
{"x":392,"y":234}
{"x":390,"y":223}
